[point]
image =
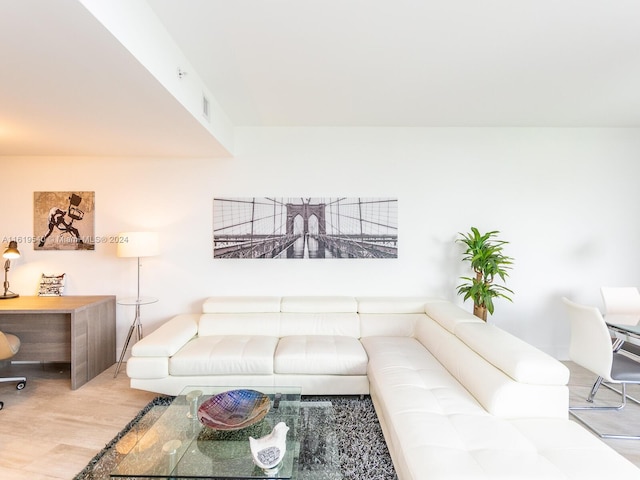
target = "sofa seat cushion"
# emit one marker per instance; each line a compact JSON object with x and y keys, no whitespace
{"x":466,"y":447}
{"x":320,"y":354}
{"x":225,"y":355}
{"x":414,"y":378}
{"x":575,"y":452}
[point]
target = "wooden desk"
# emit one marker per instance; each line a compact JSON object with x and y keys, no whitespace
{"x":79,"y":330}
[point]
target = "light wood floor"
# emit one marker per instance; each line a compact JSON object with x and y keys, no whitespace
{"x":49,"y":432}
{"x":625,"y":421}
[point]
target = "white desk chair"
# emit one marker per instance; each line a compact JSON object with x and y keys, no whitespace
{"x":590,"y":347}
{"x":9,"y":346}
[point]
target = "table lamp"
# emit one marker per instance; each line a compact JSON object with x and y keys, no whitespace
{"x":136,"y":244}
{"x":11,"y":252}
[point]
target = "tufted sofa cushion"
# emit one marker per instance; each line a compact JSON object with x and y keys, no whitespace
{"x":394,"y":304}
{"x":456,"y":398}
{"x":236,"y":304}
{"x":434,"y":426}
{"x":266,"y":323}
{"x":225,"y":355}
{"x":320,"y":354}
{"x":331,"y":315}
{"x":389,"y":316}
{"x":326,"y":304}
{"x":322,"y":323}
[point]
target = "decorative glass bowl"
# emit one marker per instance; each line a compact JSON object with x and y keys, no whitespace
{"x":234,"y":409}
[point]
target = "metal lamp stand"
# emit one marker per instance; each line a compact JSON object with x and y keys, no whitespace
{"x":136,"y":325}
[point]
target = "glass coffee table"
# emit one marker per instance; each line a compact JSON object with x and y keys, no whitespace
{"x":178,"y":445}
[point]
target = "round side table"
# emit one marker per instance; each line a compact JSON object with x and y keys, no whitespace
{"x":135,"y":325}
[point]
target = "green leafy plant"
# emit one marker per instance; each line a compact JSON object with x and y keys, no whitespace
{"x":488,"y":262}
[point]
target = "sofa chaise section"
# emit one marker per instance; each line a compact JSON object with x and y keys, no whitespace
{"x":461,"y":399}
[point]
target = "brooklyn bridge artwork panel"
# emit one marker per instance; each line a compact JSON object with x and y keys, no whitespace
{"x":301,"y":227}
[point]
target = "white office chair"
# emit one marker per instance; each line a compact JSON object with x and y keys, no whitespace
{"x":9,"y":346}
{"x":590,"y":347}
{"x":621,"y":304}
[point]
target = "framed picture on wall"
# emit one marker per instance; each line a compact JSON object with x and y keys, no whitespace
{"x":64,"y":220}
{"x":299,"y":227}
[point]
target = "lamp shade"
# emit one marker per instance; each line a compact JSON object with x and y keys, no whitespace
{"x":12,"y":251}
{"x":138,"y":244}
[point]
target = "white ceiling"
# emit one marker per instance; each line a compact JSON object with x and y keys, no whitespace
{"x":69,"y":87}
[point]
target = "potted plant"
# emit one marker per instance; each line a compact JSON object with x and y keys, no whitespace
{"x":489,"y":263}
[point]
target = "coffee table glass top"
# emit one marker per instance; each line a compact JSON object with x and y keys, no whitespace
{"x":177,"y":445}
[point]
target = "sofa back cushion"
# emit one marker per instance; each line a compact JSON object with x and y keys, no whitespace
{"x":515,"y":357}
{"x":394,"y":304}
{"x":239,"y":324}
{"x":240,"y":315}
{"x":280,"y":316}
{"x":389,"y":324}
{"x":496,"y":391}
{"x":390,"y":316}
{"x":313,"y":304}
{"x":342,"y":324}
{"x":321,"y":315}
{"x":241,"y":304}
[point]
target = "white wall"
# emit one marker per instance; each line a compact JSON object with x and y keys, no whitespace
{"x":566,"y":199}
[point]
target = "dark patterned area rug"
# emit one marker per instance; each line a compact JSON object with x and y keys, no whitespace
{"x":362,"y":452}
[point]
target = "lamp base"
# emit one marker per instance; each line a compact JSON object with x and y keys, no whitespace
{"x":8,"y":295}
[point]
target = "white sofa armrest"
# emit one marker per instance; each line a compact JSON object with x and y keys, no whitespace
{"x":169,"y":338}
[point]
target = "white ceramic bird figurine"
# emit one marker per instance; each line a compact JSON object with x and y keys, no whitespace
{"x":268,"y":451}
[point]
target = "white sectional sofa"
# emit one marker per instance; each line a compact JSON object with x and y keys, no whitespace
{"x":457,"y":398}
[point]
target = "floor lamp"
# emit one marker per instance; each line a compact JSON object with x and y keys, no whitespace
{"x":136,"y":244}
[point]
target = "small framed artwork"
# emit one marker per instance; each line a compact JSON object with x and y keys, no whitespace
{"x":64,"y":220}
{"x":51,"y":285}
{"x":300,"y":227}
